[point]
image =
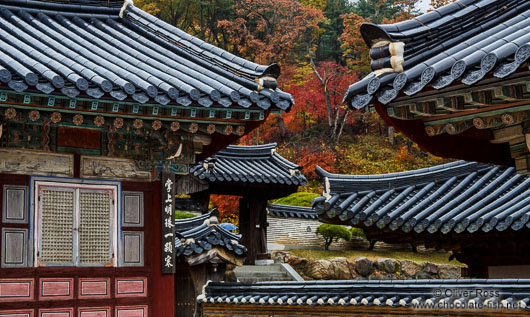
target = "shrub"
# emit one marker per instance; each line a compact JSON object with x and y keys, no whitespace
{"x":357,"y":232}
{"x":332,"y":233}
{"x":183,"y":215}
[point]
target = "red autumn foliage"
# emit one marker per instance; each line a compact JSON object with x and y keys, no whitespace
{"x":310,"y":108}
{"x":228,"y":206}
{"x":310,"y":158}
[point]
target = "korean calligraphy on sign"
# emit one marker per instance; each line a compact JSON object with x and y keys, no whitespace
{"x":168,"y":223}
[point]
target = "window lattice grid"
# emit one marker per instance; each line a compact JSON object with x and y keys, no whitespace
{"x":57,"y":223}
{"x":94,"y":227}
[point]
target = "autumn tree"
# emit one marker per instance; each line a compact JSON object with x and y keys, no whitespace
{"x":376,"y":11}
{"x":334,"y":80}
{"x":355,"y":49}
{"x":269,"y":31}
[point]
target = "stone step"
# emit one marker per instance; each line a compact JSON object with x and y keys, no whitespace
{"x":252,"y":268}
{"x":273,"y":272}
{"x":263,"y":279}
{"x":261,"y":274}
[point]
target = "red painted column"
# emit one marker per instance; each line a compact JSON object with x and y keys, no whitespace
{"x":163,"y":286}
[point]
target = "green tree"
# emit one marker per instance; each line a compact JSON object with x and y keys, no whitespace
{"x":328,"y":44}
{"x":332,"y":233}
{"x":378,"y":11}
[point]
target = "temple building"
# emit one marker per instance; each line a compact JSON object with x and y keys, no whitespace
{"x":255,"y":173}
{"x":476,"y":211}
{"x":454,"y":80}
{"x":101,"y":105}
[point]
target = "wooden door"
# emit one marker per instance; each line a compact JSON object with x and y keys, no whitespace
{"x":185,"y":300}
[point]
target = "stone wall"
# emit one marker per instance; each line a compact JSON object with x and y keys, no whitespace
{"x":296,"y":233}
{"x":363,"y":268}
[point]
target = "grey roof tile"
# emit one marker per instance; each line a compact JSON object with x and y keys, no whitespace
{"x":250,"y":164}
{"x":361,"y":292}
{"x":455,"y":197}
{"x":288,"y":211}
{"x":481,"y":35}
{"x":199,"y":234}
{"x":90,"y":45}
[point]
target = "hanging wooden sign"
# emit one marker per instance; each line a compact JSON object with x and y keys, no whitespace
{"x":168,"y":223}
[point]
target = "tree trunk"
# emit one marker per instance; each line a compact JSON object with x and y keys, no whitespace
{"x":328,"y":243}
{"x":324,"y":83}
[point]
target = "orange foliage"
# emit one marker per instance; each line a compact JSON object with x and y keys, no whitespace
{"x":310,"y":158}
{"x":435,"y":4}
{"x":310,"y":108}
{"x":404,"y":155}
{"x":228,"y":206}
{"x":268,"y":30}
{"x":353,"y":44}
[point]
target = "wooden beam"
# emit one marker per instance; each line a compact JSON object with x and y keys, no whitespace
{"x":506,"y":134}
{"x":452,"y":103}
{"x":478,"y":98}
{"x":425,"y":109}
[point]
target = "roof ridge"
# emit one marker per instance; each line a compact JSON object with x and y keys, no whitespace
{"x":220,"y":55}
{"x":60,"y":6}
{"x":290,"y":206}
{"x":340,"y":183}
{"x":436,"y":168}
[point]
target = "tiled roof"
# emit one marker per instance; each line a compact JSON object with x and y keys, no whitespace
{"x":288,"y":211}
{"x":464,"y":41}
{"x":249,"y":164}
{"x":202,"y":233}
{"x":455,"y":197}
{"x":98,"y":52}
{"x":393,"y":293}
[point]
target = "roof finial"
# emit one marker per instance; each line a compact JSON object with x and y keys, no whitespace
{"x":125,"y":4}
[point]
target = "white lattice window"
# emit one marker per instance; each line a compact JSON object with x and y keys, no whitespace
{"x":76,"y":224}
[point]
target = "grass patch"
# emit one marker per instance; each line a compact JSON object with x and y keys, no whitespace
{"x":183,"y":215}
{"x":297,"y":199}
{"x":434,"y":257}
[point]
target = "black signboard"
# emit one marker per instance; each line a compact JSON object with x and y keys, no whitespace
{"x":168,"y":223}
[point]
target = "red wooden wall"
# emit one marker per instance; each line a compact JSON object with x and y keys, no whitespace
{"x":97,"y":291}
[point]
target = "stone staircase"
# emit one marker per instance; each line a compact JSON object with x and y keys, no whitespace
{"x":265,"y":273}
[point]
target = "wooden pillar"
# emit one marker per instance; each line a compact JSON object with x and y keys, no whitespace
{"x":253,"y":227}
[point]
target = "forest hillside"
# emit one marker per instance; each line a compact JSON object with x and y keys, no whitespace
{"x":320,"y":51}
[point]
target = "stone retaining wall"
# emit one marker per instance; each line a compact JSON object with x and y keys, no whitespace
{"x":362,"y":268}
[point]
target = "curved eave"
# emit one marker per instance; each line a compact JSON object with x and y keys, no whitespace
{"x":455,"y":198}
{"x":465,"y":41}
